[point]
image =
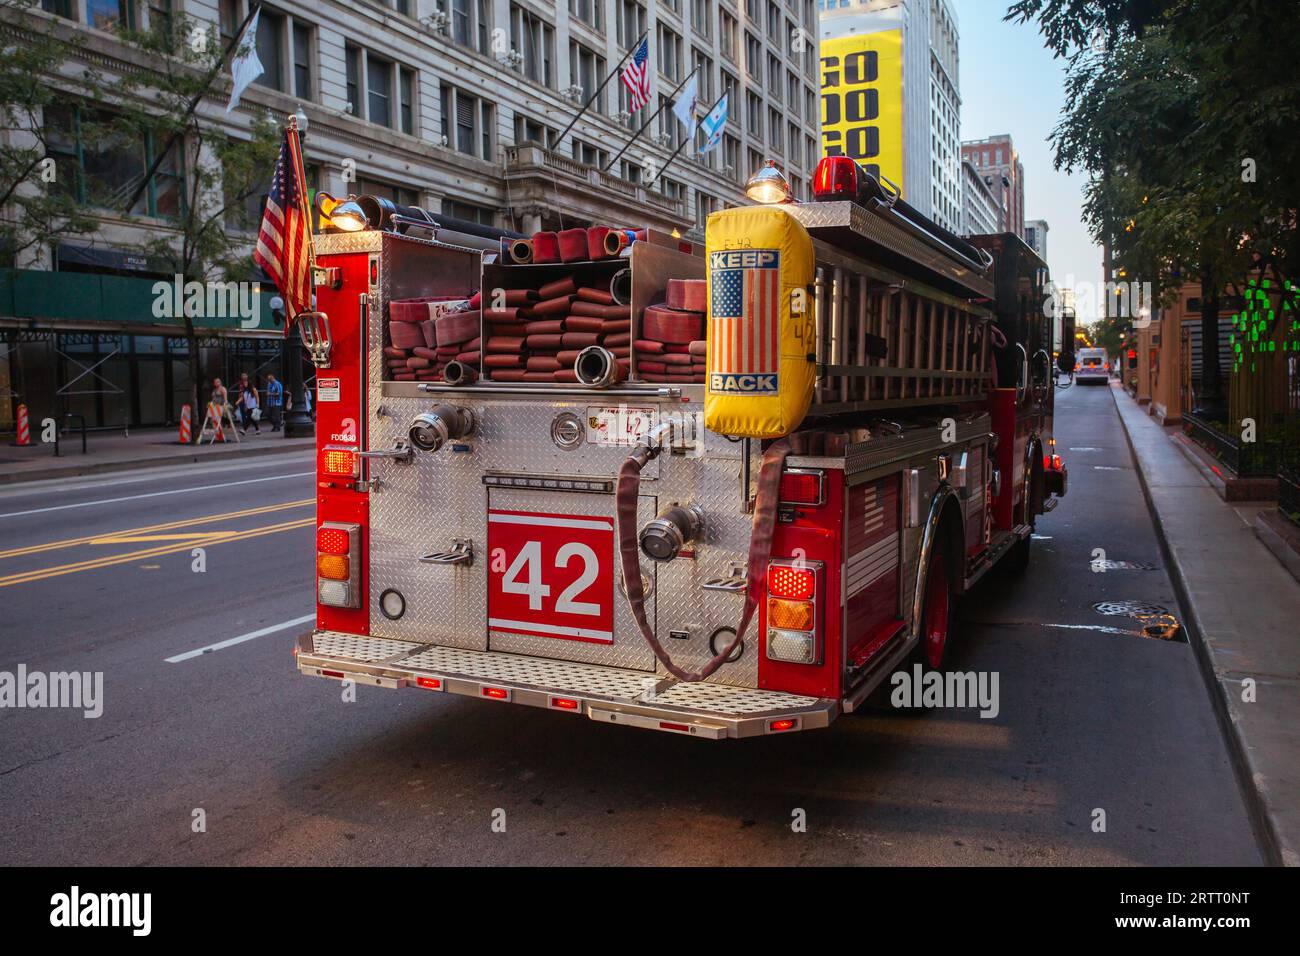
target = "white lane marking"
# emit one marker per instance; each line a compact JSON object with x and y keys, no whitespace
{"x":250,"y":636}
{"x":154,"y":494}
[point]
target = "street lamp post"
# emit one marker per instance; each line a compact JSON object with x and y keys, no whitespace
{"x":297,"y":421}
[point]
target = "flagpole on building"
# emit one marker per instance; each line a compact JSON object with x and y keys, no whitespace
{"x":194,"y":103}
{"x":600,"y":89}
{"x":647,"y":123}
{"x":688,"y":139}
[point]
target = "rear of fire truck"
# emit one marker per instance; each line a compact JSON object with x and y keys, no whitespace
{"x":719,"y":492}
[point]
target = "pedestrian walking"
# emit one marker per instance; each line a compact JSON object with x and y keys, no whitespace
{"x":220,"y":397}
{"x":274,"y":402}
{"x":249,"y":410}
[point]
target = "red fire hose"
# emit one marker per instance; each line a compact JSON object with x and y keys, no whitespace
{"x":760,"y":548}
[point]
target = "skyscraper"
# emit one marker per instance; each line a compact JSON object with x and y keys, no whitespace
{"x":998,"y":164}
{"x":891,"y":99}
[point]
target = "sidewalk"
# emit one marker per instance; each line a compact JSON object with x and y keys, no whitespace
{"x":1243,"y":612}
{"x":112,"y":451}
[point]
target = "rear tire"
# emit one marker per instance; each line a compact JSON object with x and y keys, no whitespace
{"x":938,"y":612}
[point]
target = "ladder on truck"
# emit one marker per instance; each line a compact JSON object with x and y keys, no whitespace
{"x":889,"y":338}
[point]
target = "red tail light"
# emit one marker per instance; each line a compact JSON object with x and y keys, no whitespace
{"x":836,"y":178}
{"x":333,"y":540}
{"x":802,"y":487}
{"x":795,"y":584}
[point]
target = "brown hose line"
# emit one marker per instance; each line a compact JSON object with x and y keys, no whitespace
{"x":760,"y":549}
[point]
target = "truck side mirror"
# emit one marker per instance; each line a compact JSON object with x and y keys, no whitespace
{"x":1065,"y":361}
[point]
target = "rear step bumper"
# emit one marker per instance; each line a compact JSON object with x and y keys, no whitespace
{"x":609,"y":694}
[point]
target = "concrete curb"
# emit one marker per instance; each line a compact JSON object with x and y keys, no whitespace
{"x":1250,"y":776}
{"x":157,"y":461}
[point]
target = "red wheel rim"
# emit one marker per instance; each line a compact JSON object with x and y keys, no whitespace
{"x":936,"y":611}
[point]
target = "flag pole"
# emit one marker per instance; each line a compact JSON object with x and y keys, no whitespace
{"x":300,"y":178}
{"x":194,"y":103}
{"x":689,"y":139}
{"x":600,"y":89}
{"x":629,"y":143}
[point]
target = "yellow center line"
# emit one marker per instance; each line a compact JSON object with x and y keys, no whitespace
{"x":167,"y":526}
{"x":195,"y":536}
{"x":109,"y":560}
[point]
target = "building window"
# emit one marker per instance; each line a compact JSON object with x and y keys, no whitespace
{"x":774,"y":128}
{"x":792,"y":96}
{"x":590,"y":155}
{"x":587,"y":70}
{"x":470,"y":24}
{"x":730,"y":86}
{"x":727,"y":31}
{"x":704,"y":69}
{"x":105,"y":14}
{"x":754,"y":113}
{"x":731,"y":157}
{"x":401,"y":195}
{"x":670,"y":53}
{"x":631,"y":22}
{"x":534,"y":39}
{"x":301,"y":61}
{"x":379,"y":75}
{"x":469,"y":212}
{"x":773,"y":20}
{"x":406,"y":94}
{"x":352,"y":58}
{"x":753,"y":56}
{"x":529,"y":130}
{"x":700,"y":17}
{"x":774,"y":76}
{"x":467,"y":123}
{"x":99,"y":161}
{"x":270,"y":43}
{"x":704,"y":206}
{"x":590,"y":12}
{"x":669,"y":127}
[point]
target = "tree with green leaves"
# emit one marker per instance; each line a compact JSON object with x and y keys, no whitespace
{"x":34,"y":211}
{"x":1188,"y":126}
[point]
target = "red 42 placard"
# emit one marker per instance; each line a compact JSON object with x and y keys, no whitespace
{"x":551,"y":575}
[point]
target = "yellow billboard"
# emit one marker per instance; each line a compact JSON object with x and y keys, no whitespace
{"x":862,"y":101}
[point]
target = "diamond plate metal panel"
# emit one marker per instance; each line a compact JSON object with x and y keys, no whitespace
{"x":616,"y":684}
{"x":420,"y":507}
{"x":357,"y":648}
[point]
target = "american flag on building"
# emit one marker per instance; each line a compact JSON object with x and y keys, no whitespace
{"x":636,"y":76}
{"x":745,"y":317}
{"x":284,"y":239}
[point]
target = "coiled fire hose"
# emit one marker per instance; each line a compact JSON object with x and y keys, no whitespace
{"x":760,"y":548}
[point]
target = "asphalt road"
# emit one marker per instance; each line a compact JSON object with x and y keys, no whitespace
{"x":1093,"y":716}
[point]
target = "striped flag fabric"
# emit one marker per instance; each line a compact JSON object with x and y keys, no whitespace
{"x":744,"y":318}
{"x":636,"y":76}
{"x":283,"y":240}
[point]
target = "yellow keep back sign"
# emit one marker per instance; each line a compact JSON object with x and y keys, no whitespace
{"x":862,"y":101}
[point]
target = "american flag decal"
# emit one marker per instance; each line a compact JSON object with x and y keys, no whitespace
{"x":745,"y":321}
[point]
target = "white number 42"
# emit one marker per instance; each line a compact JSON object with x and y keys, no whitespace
{"x":528,"y":565}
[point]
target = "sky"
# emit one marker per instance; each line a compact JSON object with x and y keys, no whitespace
{"x":1011,"y":84}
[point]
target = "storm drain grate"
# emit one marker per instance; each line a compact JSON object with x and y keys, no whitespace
{"x":1128,"y":608}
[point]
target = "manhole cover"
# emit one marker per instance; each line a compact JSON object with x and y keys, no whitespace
{"x":1136,"y":609}
{"x":1121,"y":566}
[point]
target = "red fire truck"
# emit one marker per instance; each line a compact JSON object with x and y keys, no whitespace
{"x":719,"y":492}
